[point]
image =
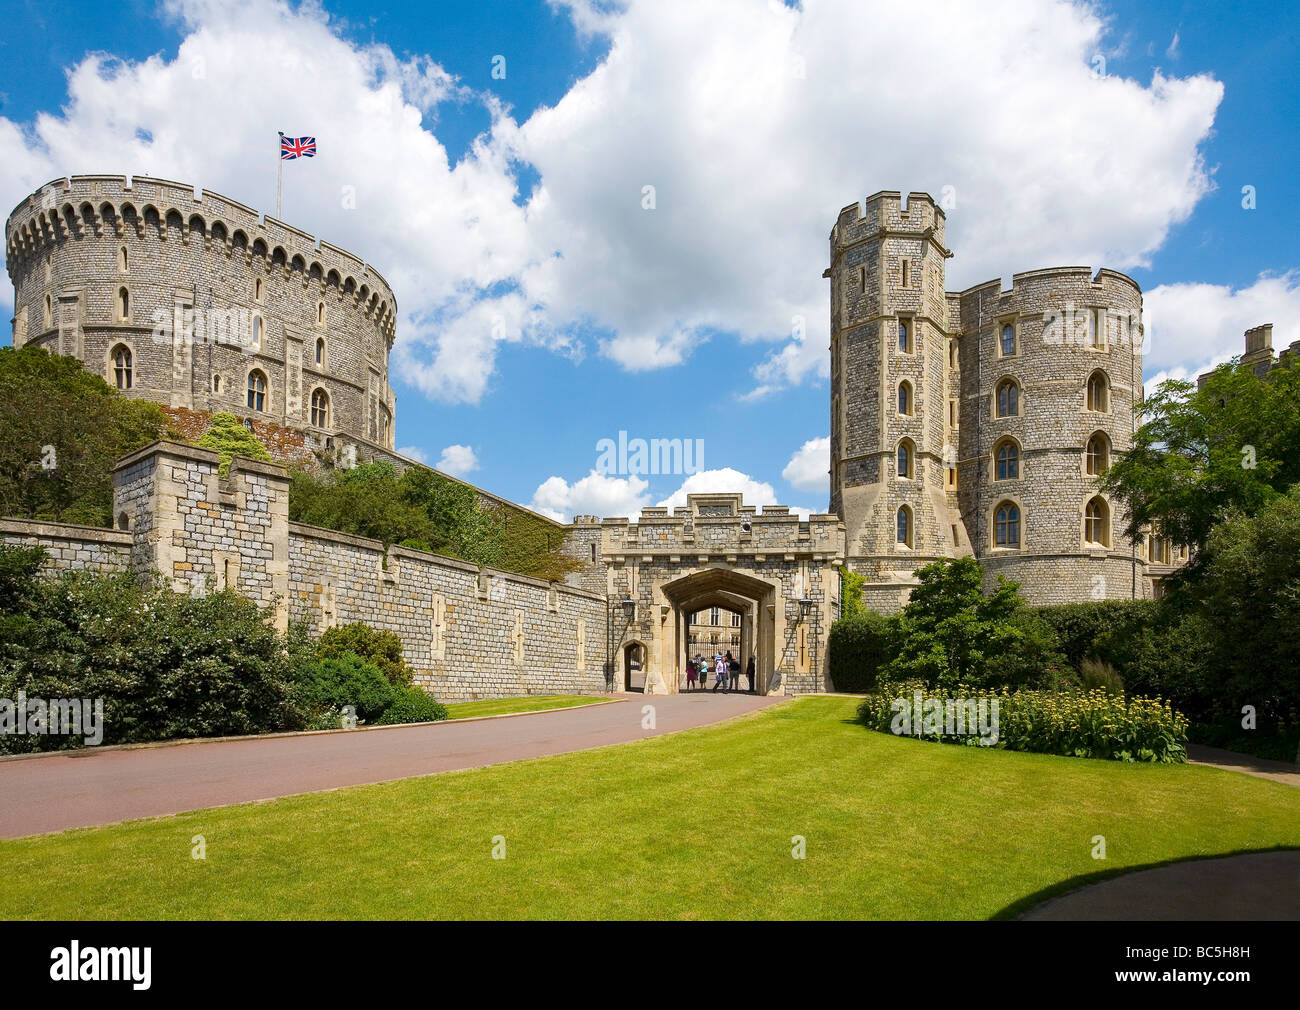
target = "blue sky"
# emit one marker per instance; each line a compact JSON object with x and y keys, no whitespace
{"x":519,"y":201}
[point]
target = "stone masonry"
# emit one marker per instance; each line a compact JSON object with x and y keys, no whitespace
{"x":979,"y":422}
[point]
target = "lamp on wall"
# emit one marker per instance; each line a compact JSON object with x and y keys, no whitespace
{"x":629,"y":607}
{"x":805,"y":606}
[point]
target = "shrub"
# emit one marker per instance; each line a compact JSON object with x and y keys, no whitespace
{"x":413,"y":704}
{"x":1079,"y":627}
{"x":1100,"y":676}
{"x":229,"y":438}
{"x":167,"y":666}
{"x":331,"y":685}
{"x":856,"y":649}
{"x":380,"y":648}
{"x":1092,"y":724}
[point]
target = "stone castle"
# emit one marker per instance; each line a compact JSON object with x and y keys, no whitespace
{"x":979,"y":422}
{"x":962,"y":423}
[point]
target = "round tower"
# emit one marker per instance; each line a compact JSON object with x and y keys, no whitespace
{"x":1051,"y":383}
{"x":198,"y":303}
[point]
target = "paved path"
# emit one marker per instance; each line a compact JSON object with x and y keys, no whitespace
{"x":86,"y":787}
{"x":1228,"y":760}
{"x":1256,"y":886}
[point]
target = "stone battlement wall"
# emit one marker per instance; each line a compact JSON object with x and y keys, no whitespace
{"x":469,"y":632}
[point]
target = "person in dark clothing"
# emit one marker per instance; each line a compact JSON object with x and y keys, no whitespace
{"x":749,"y":673}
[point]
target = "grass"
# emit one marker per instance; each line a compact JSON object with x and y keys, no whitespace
{"x":511,"y":706}
{"x":696,"y":824}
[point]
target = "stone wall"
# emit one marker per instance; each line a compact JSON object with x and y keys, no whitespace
{"x":468,"y":632}
{"x":69,"y":547}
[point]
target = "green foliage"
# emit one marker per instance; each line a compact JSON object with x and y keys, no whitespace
{"x":851,"y":583}
{"x":228,"y":438}
{"x":1080,"y":627}
{"x":61,"y":430}
{"x":1200,"y":454}
{"x":379,"y":648}
{"x":1098,"y":675}
{"x":413,"y":705}
{"x":950,"y":632}
{"x":856,"y":648}
{"x":1248,"y":596}
{"x":1089,"y":724}
{"x":324,"y":688}
{"x":426,"y":511}
{"x":167,"y":666}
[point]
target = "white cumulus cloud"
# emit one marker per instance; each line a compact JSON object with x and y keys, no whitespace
{"x":753,"y":122}
{"x":457,"y":460}
{"x":809,"y":467}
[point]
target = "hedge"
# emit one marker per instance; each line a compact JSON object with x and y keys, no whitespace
{"x":856,"y":650}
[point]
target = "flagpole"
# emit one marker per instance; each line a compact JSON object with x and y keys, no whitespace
{"x":279,"y":175}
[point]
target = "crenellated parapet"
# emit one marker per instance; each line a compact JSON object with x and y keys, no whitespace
{"x":113,"y":207}
{"x":197,"y":302}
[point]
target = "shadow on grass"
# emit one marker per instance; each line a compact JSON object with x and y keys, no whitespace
{"x":1077,"y":883}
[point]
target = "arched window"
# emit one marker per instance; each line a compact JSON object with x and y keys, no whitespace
{"x":905,"y":398}
{"x":1006,"y":525}
{"x":49,"y":312}
{"x":904,"y":337}
{"x":257,"y":289}
{"x":216,"y":383}
{"x":123,"y":304}
{"x":1008,"y":398}
{"x":1097,"y":455}
{"x":320,"y":350}
{"x":904,"y":532}
{"x":257,"y":332}
{"x":123,"y":263}
{"x":122,"y":366}
{"x":1007,"y":460}
{"x":320,"y":407}
{"x":320,"y":313}
{"x":1096,"y":522}
{"x":256,"y":390}
{"x":1099,"y":392}
{"x":905,"y":458}
{"x":1008,"y":340}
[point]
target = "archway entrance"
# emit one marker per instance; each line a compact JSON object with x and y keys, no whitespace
{"x":634,"y":656}
{"x":716,"y":612}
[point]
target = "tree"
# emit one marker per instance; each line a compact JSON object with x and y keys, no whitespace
{"x":949,"y":632}
{"x":1201,"y":454}
{"x":381,"y":648}
{"x":229,"y":438}
{"x":1249,"y":597}
{"x":61,"y":431}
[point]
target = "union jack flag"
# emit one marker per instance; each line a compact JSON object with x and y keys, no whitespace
{"x":297,"y":147}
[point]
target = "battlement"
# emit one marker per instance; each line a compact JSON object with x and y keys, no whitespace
{"x":1048,"y":275}
{"x":888,"y":212}
{"x":722,"y":525}
{"x":108,"y":205}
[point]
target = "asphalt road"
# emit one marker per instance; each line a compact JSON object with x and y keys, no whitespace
{"x":95,"y":786}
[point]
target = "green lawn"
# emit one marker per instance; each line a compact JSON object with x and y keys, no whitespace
{"x":693,"y":825}
{"x":510,"y":706}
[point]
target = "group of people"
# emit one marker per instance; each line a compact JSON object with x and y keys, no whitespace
{"x":726,"y":671}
